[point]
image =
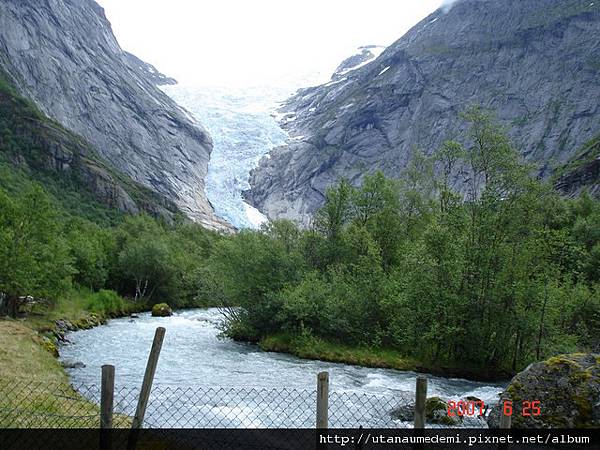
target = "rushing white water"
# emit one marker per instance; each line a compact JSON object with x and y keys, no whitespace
{"x":194,"y":356}
{"x":243,"y":129}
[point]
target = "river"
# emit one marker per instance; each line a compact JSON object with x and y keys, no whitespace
{"x":196,"y":360}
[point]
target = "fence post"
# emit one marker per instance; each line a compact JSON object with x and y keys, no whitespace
{"x":107,"y":393}
{"x":140,"y":412}
{"x":421,"y":398}
{"x":504,"y":419}
{"x":322,"y":399}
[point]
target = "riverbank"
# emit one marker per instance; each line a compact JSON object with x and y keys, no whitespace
{"x":319,"y":349}
{"x":29,"y":365}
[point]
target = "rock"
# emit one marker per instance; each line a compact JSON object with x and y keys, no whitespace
{"x":485,"y":52}
{"x":567,"y":388}
{"x":134,"y":316}
{"x":72,"y":365}
{"x":404,"y":412}
{"x":366,"y":54}
{"x":63,"y":55}
{"x":582,"y":172}
{"x":50,"y":346}
{"x":436,"y":412}
{"x":148,"y":71}
{"x":161,"y":310}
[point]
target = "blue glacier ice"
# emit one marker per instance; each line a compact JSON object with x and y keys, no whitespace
{"x":242,"y":124}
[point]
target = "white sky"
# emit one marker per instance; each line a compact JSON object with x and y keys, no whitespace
{"x":256,"y":42}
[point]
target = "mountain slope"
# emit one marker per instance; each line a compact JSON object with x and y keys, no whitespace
{"x":535,"y":63}
{"x":63,"y":55}
{"x":36,"y":148}
{"x":582,"y":172}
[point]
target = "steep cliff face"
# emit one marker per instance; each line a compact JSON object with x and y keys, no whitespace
{"x":148,"y":71}
{"x":535,"y":63}
{"x":33,"y":146}
{"x":582,"y":172}
{"x":63,"y":55}
{"x":364,"y":55}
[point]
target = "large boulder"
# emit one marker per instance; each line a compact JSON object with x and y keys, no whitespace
{"x":162,"y":310}
{"x":567,"y":388}
{"x":436,"y":412}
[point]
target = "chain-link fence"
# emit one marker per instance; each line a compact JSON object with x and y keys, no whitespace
{"x":60,"y":405}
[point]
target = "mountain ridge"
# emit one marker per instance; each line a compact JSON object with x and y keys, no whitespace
{"x":533,"y":63}
{"x":62,"y":55}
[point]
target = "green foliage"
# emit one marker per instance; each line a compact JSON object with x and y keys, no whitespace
{"x":44,"y":250}
{"x":106,"y":302}
{"x":491,"y":277}
{"x":252,"y":267}
{"x":34,"y":257}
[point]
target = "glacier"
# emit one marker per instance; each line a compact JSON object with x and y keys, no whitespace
{"x":242,"y":122}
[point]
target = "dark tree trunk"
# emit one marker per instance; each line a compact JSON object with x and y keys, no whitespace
{"x":12,"y":305}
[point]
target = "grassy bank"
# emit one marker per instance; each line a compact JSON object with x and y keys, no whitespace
{"x":81,"y":307}
{"x":315,"y":348}
{"x":309,"y":347}
{"x":34,"y":387}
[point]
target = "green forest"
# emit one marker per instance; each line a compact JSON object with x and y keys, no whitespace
{"x":494,"y":276}
{"x":493,"y":279}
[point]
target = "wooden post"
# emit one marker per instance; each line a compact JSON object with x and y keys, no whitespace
{"x":420,"y":399}
{"x":140,"y":412}
{"x":504,"y":420}
{"x":107,"y":396}
{"x":106,"y":405}
{"x":322,"y":400}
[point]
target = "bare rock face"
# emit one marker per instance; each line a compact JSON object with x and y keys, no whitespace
{"x":63,"y":55}
{"x":359,"y":59}
{"x":534,"y":63}
{"x":149,"y":71}
{"x":582,"y":172}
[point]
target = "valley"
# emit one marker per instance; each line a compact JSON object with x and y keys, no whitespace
{"x":430,"y":207}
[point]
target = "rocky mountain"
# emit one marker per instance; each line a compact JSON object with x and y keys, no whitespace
{"x":364,"y":55}
{"x":534,"y":63}
{"x":581,"y":172}
{"x":63,"y":55}
{"x":34,"y":147}
{"x":148,"y":71}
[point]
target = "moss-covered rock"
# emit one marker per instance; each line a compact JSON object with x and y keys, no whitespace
{"x":567,"y":388}
{"x":436,"y":411}
{"x":50,"y":346}
{"x":161,"y":310}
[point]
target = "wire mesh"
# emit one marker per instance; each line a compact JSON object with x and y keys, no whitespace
{"x":60,"y":405}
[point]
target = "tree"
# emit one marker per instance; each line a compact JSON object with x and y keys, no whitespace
{"x":34,"y":258}
{"x":147,"y":263}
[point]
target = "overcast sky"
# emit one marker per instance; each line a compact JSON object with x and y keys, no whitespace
{"x":253,"y":42}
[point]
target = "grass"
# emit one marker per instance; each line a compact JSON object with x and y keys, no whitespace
{"x":317,"y":348}
{"x":310,"y":347}
{"x":34,"y":388}
{"x":82,"y":307}
{"x":585,"y":155}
